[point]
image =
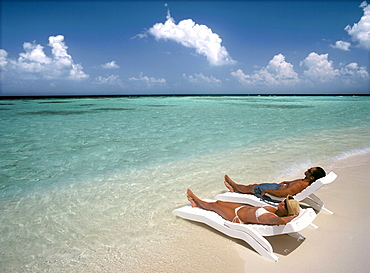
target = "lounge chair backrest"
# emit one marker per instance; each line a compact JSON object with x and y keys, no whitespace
{"x":330,"y":177}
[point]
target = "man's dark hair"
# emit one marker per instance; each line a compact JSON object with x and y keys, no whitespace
{"x":318,"y":173}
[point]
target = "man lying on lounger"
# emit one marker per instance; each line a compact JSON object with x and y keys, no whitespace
{"x":279,"y":190}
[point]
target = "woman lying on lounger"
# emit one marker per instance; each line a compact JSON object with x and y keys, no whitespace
{"x":238,"y":213}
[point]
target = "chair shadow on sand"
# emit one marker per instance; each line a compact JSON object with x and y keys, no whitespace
{"x":282,"y":244}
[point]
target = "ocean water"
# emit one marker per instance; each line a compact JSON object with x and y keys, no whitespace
{"x":90,"y":182}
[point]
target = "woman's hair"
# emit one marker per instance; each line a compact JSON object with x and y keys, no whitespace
{"x":291,"y":205}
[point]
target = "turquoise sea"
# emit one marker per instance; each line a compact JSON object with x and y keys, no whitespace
{"x":88,"y":182}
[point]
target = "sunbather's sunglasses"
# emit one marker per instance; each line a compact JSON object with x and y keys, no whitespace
{"x":311,"y":171}
{"x":285,"y":205}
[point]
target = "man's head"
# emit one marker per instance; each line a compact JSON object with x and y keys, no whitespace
{"x":315,"y":173}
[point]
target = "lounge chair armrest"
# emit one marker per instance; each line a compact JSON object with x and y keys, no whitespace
{"x":281,"y":199}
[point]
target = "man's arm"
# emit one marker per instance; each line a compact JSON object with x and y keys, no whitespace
{"x":284,"y":192}
{"x":288,"y":182}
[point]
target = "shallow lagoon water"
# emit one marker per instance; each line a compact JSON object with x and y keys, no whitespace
{"x":91,"y":181}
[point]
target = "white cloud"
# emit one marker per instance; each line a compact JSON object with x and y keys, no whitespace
{"x":282,"y":70}
{"x":59,"y":50}
{"x":320,"y":69}
{"x":341,"y":45}
{"x":109,"y":80}
{"x":353,"y":74}
{"x":3,"y":55}
{"x":192,"y":35}
{"x":200,"y":78}
{"x":76,"y":72}
{"x":148,"y":81}
{"x":34,"y":53}
{"x":110,"y":65}
{"x":277,"y":72}
{"x":35,"y":64}
{"x":242,"y":78}
{"x":360,"y":31}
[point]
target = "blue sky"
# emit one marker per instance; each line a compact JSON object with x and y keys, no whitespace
{"x":184,"y":47}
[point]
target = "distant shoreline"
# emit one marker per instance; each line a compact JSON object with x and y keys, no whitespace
{"x":179,"y":95}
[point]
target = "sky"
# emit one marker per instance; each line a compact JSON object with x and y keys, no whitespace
{"x":156,"y":47}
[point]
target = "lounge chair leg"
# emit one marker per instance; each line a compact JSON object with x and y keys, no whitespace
{"x":298,"y":236}
{"x":314,"y":202}
{"x":314,"y":226}
{"x":326,"y":210}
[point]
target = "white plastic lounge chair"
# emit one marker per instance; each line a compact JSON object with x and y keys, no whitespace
{"x":306,"y":196}
{"x":253,"y":234}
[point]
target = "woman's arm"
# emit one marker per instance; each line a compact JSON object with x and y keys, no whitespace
{"x":273,"y":219}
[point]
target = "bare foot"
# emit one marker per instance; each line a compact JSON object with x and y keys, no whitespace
{"x":228,"y":183}
{"x":190,"y":196}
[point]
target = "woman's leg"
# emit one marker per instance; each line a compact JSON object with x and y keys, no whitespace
{"x":225,"y":209}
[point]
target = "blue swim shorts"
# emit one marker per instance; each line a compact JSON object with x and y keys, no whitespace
{"x":265,"y":186}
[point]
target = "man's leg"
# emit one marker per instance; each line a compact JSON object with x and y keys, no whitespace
{"x":234,"y":187}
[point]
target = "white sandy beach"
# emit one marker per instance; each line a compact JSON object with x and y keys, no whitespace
{"x":341,"y":243}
